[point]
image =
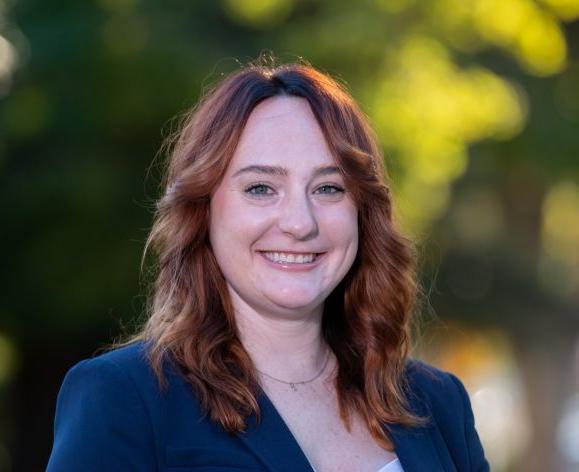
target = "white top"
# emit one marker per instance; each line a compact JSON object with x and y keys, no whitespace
{"x":392,"y":466}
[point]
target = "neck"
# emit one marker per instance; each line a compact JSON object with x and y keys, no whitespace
{"x":286,"y":348}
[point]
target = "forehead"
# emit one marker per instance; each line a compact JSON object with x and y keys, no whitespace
{"x":282,"y":131}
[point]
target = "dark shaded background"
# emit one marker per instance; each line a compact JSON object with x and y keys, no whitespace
{"x":476,"y":103}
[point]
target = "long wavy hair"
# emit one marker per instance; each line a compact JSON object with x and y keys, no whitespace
{"x":366,"y":319}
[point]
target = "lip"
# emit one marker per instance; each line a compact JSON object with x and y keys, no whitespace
{"x":320,"y":256}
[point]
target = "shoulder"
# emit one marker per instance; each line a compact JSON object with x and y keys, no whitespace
{"x":133,"y":357}
{"x":442,"y":398}
{"x":125,"y":371}
{"x":102,"y":399}
{"x":115,"y":376}
{"x":433,"y":385}
{"x":435,"y":393}
{"x":126,"y":368}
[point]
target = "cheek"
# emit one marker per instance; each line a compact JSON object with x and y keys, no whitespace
{"x":233,"y":223}
{"x":222,"y":222}
{"x":341,"y":224}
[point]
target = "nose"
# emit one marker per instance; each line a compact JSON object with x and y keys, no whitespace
{"x":297,"y":217}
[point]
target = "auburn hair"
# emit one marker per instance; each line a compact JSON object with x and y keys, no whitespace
{"x":366,"y":319}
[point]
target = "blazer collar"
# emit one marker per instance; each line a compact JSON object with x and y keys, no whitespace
{"x":415,"y":449}
{"x":414,"y":446}
{"x":272,"y":441}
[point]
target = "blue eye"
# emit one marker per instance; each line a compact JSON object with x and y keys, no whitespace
{"x":330,"y":189}
{"x":259,"y":190}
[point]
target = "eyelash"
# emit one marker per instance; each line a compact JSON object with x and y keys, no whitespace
{"x":249,"y":190}
{"x":336,"y":188}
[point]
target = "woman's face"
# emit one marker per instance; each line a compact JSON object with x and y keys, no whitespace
{"x":282,"y":227}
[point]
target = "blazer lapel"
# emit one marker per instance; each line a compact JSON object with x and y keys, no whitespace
{"x":272,"y":441}
{"x":415,"y":449}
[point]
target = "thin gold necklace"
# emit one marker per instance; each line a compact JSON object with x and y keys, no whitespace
{"x":301,"y":382}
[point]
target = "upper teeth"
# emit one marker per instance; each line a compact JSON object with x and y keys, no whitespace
{"x":290,"y":258}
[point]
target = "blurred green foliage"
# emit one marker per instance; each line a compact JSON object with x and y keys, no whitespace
{"x":476,"y":103}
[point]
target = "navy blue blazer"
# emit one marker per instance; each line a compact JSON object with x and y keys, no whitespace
{"x":111,"y":416}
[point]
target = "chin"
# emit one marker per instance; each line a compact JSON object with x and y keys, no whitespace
{"x":294,"y":302}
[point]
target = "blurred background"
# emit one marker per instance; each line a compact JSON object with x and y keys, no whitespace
{"x":476,"y":103}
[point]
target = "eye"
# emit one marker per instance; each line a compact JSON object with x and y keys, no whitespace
{"x":259,"y":190}
{"x":330,"y":189}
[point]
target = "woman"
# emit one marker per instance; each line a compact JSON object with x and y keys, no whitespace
{"x":278,"y":331}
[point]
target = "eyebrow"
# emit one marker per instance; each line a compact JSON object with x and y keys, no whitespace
{"x":282,"y":171}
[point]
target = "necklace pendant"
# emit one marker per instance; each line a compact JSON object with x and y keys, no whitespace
{"x":293,"y":387}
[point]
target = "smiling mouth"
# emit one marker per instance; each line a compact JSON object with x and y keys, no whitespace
{"x":291,"y":258}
